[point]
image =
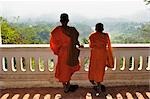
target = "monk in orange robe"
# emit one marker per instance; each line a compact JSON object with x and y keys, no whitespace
{"x":101,"y":56}
{"x":63,"y":41}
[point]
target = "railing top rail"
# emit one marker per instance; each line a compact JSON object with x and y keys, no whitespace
{"x":86,"y":45}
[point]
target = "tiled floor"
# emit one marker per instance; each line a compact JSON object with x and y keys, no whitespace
{"x":122,"y":92}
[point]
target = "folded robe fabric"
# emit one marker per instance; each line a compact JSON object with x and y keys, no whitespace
{"x":61,"y":44}
{"x":101,"y":56}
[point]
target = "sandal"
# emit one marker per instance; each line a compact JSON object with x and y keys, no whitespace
{"x":73,"y":88}
{"x":66,"y":88}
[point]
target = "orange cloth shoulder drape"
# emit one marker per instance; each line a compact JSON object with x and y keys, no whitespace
{"x":60,"y":44}
{"x":101,"y":55}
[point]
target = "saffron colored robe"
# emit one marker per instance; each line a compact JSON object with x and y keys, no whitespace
{"x":60,"y":44}
{"x":101,"y":56}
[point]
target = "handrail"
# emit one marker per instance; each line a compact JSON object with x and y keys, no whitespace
{"x":86,"y":45}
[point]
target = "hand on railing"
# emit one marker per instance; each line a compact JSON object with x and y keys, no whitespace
{"x":81,"y":46}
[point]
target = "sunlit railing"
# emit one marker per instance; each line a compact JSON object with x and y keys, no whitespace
{"x":34,"y":66}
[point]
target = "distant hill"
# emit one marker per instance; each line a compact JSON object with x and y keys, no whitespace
{"x":42,"y":25}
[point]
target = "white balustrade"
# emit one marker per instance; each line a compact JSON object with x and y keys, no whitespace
{"x":34,"y":65}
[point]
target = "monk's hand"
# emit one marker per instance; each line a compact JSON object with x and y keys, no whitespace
{"x":81,"y":46}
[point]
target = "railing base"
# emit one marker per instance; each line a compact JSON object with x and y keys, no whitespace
{"x":32,"y":84}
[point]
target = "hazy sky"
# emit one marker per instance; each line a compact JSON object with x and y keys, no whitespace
{"x":86,"y":8}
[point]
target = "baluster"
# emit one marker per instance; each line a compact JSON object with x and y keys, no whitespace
{"x":37,"y":68}
{"x":18,"y":65}
{"x":45,"y":64}
{"x":4,"y":64}
{"x":22,"y":64}
{"x":51,"y":65}
{"x":127,"y":63}
{"x":117,"y":64}
{"x":13,"y":62}
{"x":123,"y":63}
{"x":27,"y":63}
{"x":9,"y":64}
{"x":131,"y":63}
{"x":40,"y":63}
{"x":145,"y":63}
{"x":55,"y":59}
{"x":140,"y":63}
{"x":136,"y":63}
{"x":32,"y":64}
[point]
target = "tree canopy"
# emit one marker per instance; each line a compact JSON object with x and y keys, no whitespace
{"x":38,"y":32}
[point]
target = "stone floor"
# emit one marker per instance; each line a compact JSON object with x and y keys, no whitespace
{"x":118,"y":92}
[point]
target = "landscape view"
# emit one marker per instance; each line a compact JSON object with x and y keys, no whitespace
{"x":30,"y":22}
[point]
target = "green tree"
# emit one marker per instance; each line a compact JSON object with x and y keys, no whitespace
{"x":147,"y":2}
{"x":8,"y":33}
{"x":144,"y":33}
{"x":85,"y":41}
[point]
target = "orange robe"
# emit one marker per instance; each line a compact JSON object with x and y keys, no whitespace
{"x":60,"y":44}
{"x":101,"y":56}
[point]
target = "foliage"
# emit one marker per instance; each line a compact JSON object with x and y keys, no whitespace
{"x":38,"y":32}
{"x":147,"y":2}
{"x":8,"y":33}
{"x":25,"y":33}
{"x":142,"y":35}
{"x":34,"y":33}
{"x":85,"y":41}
